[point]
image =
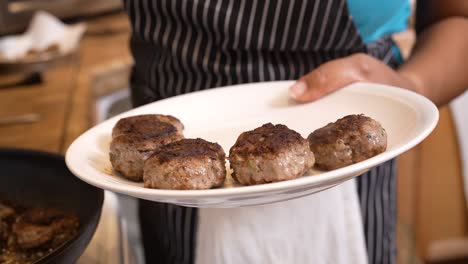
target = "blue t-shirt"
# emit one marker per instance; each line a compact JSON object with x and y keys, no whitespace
{"x":375,"y":19}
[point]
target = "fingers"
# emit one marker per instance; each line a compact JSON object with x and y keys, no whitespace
{"x":318,"y":83}
{"x":326,"y":79}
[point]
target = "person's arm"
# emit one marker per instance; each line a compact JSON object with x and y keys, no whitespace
{"x":437,"y":68}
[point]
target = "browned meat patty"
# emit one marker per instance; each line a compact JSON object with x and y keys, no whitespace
{"x":128,"y":152}
{"x":31,"y":235}
{"x":136,"y":138}
{"x":144,"y":124}
{"x":4,"y":230}
{"x":270,"y":153}
{"x":350,"y":139}
{"x":39,"y":226}
{"x":28,"y":234}
{"x":5,"y":211}
{"x":188,"y":164}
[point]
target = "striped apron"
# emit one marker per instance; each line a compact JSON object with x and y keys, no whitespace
{"x":181,"y":46}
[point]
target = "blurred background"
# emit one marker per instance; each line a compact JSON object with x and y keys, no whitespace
{"x":47,"y":100}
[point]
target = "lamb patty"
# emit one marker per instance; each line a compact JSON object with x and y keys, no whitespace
{"x":28,"y":234}
{"x":270,"y":153}
{"x":43,"y":225}
{"x":351,"y":139}
{"x":188,"y":164}
{"x":133,"y":142}
{"x":144,"y":124}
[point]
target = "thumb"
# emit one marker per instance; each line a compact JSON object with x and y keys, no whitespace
{"x":304,"y":91}
{"x":322,"y":81}
{"x":308,"y":88}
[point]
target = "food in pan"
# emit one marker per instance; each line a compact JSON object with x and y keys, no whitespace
{"x":188,"y":164}
{"x":135,"y":138}
{"x":28,"y":234}
{"x":351,"y":139}
{"x":270,"y":153}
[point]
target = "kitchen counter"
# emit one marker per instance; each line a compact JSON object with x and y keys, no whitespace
{"x":63,"y":99}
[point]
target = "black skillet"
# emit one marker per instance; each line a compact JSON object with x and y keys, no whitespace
{"x":33,"y":178}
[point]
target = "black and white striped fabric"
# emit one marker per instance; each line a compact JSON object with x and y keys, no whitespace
{"x":181,"y":46}
{"x":184,"y":46}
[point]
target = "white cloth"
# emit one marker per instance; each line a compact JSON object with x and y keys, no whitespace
{"x":44,"y":31}
{"x":459,"y":109}
{"x":321,"y":228}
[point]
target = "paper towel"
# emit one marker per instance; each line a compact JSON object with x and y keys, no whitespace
{"x":44,"y":31}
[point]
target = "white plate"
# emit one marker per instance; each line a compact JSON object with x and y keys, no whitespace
{"x":220,"y":115}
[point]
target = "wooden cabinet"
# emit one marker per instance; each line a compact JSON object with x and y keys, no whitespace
{"x":433,"y":217}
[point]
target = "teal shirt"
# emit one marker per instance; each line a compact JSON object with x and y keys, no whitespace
{"x":375,"y":19}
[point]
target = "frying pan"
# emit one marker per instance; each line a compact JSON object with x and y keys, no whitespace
{"x":33,"y":178}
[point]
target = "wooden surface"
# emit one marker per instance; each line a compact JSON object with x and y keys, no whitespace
{"x":63,"y":99}
{"x":431,"y":202}
{"x":441,"y":211}
{"x":49,"y":100}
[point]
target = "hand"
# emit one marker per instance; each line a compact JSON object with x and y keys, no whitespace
{"x":336,"y":74}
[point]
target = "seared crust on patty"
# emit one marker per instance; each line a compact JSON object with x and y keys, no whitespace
{"x":351,"y":139}
{"x":188,"y":164}
{"x":268,"y":139}
{"x":190,"y":148}
{"x":270,"y":153}
{"x":135,"y":139}
{"x":145,"y":125}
